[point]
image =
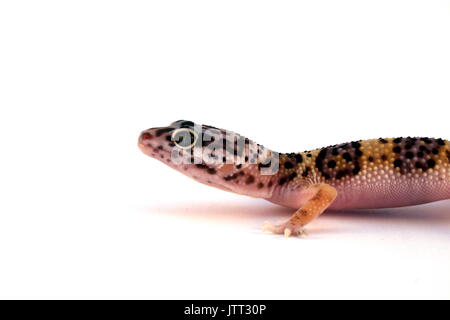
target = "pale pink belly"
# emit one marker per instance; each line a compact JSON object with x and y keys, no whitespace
{"x":397,"y":192}
{"x":394,"y":193}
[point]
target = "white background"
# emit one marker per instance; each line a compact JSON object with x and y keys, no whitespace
{"x":84,"y":214}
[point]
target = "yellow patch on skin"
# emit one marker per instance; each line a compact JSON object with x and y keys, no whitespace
{"x":378,"y":162}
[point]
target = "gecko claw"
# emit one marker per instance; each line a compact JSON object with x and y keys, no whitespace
{"x":287,"y":229}
{"x":287,"y":232}
{"x":302,"y":232}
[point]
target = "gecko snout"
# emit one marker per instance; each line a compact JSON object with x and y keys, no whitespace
{"x":156,"y":142}
{"x":145,"y":137}
{"x":146,"y":141}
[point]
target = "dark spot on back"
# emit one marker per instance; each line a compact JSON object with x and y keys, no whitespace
{"x":298,"y":158}
{"x":322,"y":153}
{"x":288,"y":165}
{"x":331,"y":164}
{"x":398,"y":163}
{"x":347,"y":156}
{"x":397,"y":149}
{"x":356,"y":145}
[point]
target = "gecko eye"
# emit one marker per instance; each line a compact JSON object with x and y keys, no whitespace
{"x":184,"y":138}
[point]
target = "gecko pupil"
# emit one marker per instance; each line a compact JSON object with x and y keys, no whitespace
{"x":184,"y":138}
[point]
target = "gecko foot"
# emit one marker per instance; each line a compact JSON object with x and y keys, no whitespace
{"x":287,"y":228}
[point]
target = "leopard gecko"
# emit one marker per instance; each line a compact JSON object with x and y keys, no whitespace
{"x":364,"y":174}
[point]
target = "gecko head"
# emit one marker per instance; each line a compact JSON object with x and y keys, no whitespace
{"x":168,"y":143}
{"x":210,"y":155}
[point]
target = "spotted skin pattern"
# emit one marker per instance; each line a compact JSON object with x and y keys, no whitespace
{"x":376,"y":173}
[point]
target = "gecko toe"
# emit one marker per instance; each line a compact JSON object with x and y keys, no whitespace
{"x":269,"y":227}
{"x":287,"y":229}
{"x":287,"y":232}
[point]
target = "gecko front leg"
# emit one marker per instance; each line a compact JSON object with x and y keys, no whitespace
{"x":322,"y":197}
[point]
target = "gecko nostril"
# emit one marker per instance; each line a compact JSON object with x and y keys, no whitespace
{"x":145,"y":137}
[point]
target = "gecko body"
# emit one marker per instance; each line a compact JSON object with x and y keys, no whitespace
{"x":376,"y":173}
